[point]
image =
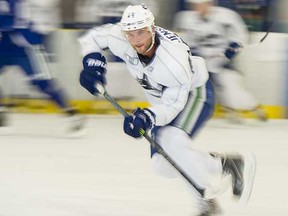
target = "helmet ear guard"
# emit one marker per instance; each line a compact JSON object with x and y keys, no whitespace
{"x":137,"y":17}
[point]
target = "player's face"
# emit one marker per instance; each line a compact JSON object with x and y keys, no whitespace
{"x":202,"y":8}
{"x":140,"y":39}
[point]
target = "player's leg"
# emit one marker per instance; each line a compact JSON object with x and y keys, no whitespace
{"x":37,"y":69}
{"x":3,"y":112}
{"x":242,"y":169}
{"x":204,"y":169}
{"x":3,"y":108}
{"x":234,"y":97}
{"x":209,"y":172}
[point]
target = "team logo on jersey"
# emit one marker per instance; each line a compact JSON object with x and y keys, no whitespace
{"x":144,"y":82}
{"x":132,"y":60}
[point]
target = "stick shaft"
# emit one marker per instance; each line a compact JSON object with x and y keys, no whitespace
{"x":159,"y":149}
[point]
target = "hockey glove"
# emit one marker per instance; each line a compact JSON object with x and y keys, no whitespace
{"x":232,"y":50}
{"x":94,"y":71}
{"x":139,"y":122}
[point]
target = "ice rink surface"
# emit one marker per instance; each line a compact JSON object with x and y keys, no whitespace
{"x":107,"y":173}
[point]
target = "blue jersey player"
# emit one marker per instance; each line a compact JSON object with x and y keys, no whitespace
{"x":22,"y":45}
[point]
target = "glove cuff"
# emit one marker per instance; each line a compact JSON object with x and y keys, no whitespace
{"x":151,"y":117}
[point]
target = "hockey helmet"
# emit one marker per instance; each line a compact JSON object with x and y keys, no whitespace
{"x":137,"y":17}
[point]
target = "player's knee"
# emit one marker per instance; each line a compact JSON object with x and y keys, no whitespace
{"x":161,"y":167}
{"x":171,"y":137}
{"x":172,"y":140}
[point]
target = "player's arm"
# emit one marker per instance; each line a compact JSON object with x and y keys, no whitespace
{"x":173,"y":100}
{"x":24,"y":33}
{"x":174,"y":97}
{"x":95,"y":40}
{"x":143,"y":120}
{"x":94,"y":63}
{"x":183,"y":26}
{"x":237,"y":34}
{"x":237,"y":31}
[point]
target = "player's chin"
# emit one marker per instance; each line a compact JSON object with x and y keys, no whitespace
{"x":144,"y":50}
{"x":140,"y":50}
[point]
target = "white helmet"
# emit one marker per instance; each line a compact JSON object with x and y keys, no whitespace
{"x":136,"y":17}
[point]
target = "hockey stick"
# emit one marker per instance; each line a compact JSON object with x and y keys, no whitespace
{"x":158,"y":148}
{"x":267,"y":32}
{"x":262,"y":39}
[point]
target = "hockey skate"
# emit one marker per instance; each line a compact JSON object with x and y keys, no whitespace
{"x":260,"y":113}
{"x":234,"y":165}
{"x":5,"y":129}
{"x":231,"y":115}
{"x":3,"y":118}
{"x":209,"y":207}
{"x":76,"y":124}
{"x":242,"y":170}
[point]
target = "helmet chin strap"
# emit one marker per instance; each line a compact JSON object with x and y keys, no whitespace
{"x":153,"y":42}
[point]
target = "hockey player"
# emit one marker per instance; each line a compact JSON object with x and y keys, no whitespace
{"x":217,"y":34}
{"x":180,"y":93}
{"x":22,"y":44}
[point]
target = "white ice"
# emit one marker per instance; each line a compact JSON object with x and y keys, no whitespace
{"x":106,"y":173}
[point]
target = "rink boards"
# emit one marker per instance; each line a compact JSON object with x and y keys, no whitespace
{"x":264,"y":67}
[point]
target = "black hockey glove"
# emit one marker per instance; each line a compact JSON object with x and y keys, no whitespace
{"x":139,"y":122}
{"x":94,"y":71}
{"x":232,"y":50}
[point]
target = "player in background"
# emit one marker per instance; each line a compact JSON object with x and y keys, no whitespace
{"x":105,"y":11}
{"x":217,"y":34}
{"x":179,"y":91}
{"x":23,"y":27}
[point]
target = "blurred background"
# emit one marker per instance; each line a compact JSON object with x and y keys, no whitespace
{"x":264,"y":65}
{"x":43,"y":174}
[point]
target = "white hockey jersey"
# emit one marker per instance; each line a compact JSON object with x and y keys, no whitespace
{"x":166,"y":80}
{"x":45,"y":14}
{"x":210,"y":36}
